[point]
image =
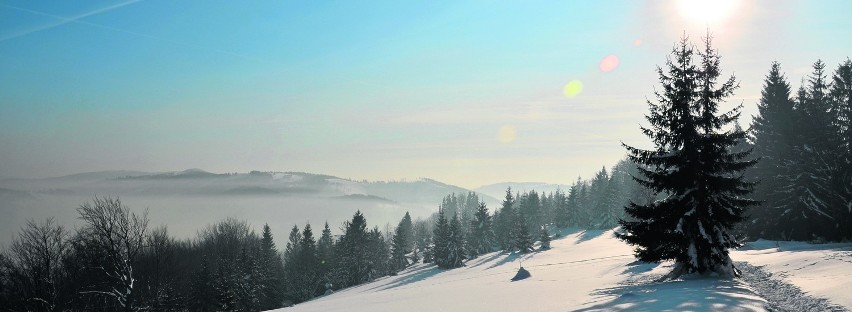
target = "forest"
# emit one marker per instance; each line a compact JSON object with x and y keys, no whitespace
{"x":794,"y":156}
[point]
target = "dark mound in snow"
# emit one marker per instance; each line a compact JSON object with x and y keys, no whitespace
{"x":522,"y":274}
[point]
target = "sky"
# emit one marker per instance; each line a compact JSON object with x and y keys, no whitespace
{"x":464,"y":92}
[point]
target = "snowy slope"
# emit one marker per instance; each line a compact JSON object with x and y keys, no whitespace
{"x":819,"y":270}
{"x":585,"y":270}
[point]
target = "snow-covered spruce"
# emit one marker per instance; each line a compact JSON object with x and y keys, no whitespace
{"x":693,"y":167}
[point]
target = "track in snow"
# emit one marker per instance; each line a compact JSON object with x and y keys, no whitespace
{"x":780,"y":295}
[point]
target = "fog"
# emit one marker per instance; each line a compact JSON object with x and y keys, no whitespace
{"x":187,"y":201}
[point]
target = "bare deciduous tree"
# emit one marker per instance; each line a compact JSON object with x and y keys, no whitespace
{"x":120,"y":234}
{"x":36,"y":256}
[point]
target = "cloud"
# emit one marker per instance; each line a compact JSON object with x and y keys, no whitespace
{"x":61,"y":20}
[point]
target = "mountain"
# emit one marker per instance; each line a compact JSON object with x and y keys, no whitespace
{"x":197,"y":182}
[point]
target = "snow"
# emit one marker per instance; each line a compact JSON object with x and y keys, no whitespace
{"x":584,"y":270}
{"x":819,"y":270}
{"x":593,"y":271}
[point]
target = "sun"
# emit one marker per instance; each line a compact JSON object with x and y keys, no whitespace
{"x":707,"y":12}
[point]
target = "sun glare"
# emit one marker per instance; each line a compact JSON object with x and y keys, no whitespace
{"x":707,"y":11}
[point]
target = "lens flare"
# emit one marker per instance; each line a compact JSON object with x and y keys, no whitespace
{"x":609,"y":63}
{"x":573,"y":88}
{"x":507,"y":134}
{"x":637,"y":42}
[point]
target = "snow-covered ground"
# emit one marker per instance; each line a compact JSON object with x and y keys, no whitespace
{"x":823,"y":271}
{"x":592,"y":271}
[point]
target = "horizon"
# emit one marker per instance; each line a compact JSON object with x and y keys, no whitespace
{"x":403,"y":180}
{"x":468,"y":94}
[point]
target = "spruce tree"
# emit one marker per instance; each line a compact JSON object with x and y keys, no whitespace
{"x":325,"y":255}
{"x":202,"y":290}
{"x":481,"y":238}
{"x":807,"y":200}
{"x":772,"y":131}
{"x":306,"y":281}
{"x":561,"y":212}
{"x":572,"y":205}
{"x":272,"y":272}
{"x":351,"y":253}
{"x":504,"y":222}
{"x":378,"y":254}
{"x":441,"y":241}
{"x":544,"y":238}
{"x":455,"y":244}
{"x":598,"y":194}
{"x":403,"y":243}
{"x":523,"y":241}
{"x":693,"y":165}
{"x":841,"y":105}
{"x":530,"y":207}
{"x":840,"y":94}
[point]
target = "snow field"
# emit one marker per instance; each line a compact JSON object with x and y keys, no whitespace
{"x":819,"y":270}
{"x":585,"y":270}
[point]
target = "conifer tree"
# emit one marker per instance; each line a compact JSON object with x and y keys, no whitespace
{"x":504,"y":222}
{"x":523,"y":241}
{"x":202,"y":291}
{"x":530,"y":207}
{"x":352,"y":259}
{"x":561,"y":210}
{"x":403,"y":243}
{"x":772,"y":132}
{"x":441,"y":241}
{"x":481,"y":238}
{"x":325,"y":256}
{"x":841,"y":105}
{"x":378,"y":254}
{"x":840,"y":94}
{"x":572,"y":204}
{"x":598,"y":193}
{"x":807,"y":200}
{"x":692,"y":164}
{"x":544,"y":238}
{"x":422,"y":239}
{"x":455,"y":244}
{"x":272,"y":272}
{"x":305,"y":273}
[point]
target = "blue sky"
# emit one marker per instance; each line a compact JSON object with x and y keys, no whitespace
{"x":468,"y":92}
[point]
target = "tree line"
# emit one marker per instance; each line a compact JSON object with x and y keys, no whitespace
{"x":804,"y":144}
{"x":117,"y":261}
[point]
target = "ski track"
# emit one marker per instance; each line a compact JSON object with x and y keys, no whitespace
{"x":780,"y":295}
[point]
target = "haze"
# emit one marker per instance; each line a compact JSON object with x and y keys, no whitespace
{"x":466,"y":93}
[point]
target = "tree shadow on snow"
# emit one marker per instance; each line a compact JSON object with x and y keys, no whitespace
{"x":483,"y":260}
{"x":638,"y":267}
{"x":413,"y":276}
{"x":511,"y":258}
{"x":588,"y":235}
{"x":699,"y":294}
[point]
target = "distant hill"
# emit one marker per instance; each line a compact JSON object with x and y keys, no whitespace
{"x":198,"y":182}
